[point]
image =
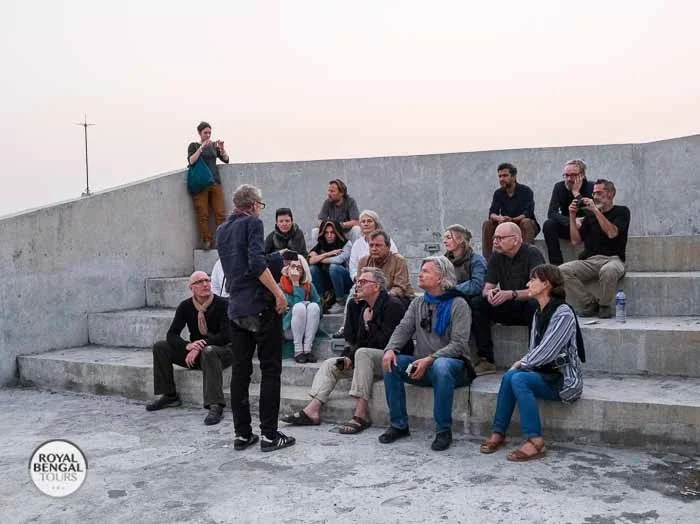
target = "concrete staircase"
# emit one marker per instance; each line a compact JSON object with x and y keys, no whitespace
{"x":642,"y":378}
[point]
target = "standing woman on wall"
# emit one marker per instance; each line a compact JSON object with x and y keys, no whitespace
{"x":212,"y":196}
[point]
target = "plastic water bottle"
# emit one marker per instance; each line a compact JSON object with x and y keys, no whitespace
{"x":620,"y":306}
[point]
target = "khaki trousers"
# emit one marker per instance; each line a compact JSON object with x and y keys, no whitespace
{"x":608,"y":270}
{"x":213,"y":197}
{"x":368,"y":366}
{"x":528,"y":230}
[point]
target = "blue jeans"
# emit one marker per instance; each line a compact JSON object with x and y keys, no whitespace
{"x":523,"y":387}
{"x":443,"y":376}
{"x":339,"y":278}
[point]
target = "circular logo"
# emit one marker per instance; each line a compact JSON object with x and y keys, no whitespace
{"x":58,"y":468}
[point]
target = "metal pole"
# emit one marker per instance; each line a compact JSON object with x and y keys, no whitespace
{"x":85,"y":125}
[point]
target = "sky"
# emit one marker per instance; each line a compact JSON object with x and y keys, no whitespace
{"x":298,"y":80}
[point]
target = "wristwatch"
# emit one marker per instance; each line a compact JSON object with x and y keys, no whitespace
{"x":515,"y":294}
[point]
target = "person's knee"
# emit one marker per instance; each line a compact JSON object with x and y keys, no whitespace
{"x":568,"y":270}
{"x":313,"y":309}
{"x":161,"y":347}
{"x":299,"y":309}
{"x":445,"y":368}
{"x":549,"y":228}
{"x":610,"y":272}
{"x":519,"y":381}
{"x":336,"y":270}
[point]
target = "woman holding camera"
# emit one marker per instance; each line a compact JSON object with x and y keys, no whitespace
{"x":550,"y":370}
{"x":212,"y":196}
{"x":301,"y":321}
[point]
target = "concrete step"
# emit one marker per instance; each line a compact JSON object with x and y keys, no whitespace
{"x":648,"y":294}
{"x":666,"y":253}
{"x":142,"y":327}
{"x":635,"y":411}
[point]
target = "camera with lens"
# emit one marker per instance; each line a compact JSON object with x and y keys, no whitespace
{"x":579,"y":202}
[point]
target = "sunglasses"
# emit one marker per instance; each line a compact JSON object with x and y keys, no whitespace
{"x":426,"y":323}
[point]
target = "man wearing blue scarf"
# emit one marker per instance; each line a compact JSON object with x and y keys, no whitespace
{"x":440,"y":321}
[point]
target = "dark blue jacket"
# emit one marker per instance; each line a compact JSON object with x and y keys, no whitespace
{"x":240,"y":242}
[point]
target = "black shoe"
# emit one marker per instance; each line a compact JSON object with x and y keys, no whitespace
{"x":240,"y":443}
{"x":310,"y":358}
{"x":392,"y":434}
{"x":216,"y":413}
{"x":165,"y":401}
{"x":300,"y":358}
{"x":340,"y":333}
{"x":279,"y":442}
{"x":442,"y":441}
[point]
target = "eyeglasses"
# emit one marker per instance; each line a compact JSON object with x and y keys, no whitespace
{"x":201,"y":281}
{"x":361,"y":282}
{"x":570,"y":175}
{"x":261,"y":204}
{"x":427,"y":322}
{"x":500,"y":238}
{"x":295,"y":266}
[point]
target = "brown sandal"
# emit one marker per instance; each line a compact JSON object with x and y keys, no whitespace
{"x":354,"y":426}
{"x":491,"y":446}
{"x":518,"y":455}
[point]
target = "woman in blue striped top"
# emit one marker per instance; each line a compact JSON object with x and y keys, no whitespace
{"x":550,"y":370}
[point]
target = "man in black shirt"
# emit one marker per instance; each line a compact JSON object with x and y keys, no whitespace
{"x":368,"y":329}
{"x":505,"y":298}
{"x":513,"y":202}
{"x":207,"y":321}
{"x":574,"y":186}
{"x":604,"y":235}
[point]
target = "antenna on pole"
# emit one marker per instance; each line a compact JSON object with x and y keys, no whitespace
{"x":85,"y":125}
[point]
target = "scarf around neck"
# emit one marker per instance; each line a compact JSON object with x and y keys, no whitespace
{"x":201,"y":310}
{"x":462,"y":264}
{"x":444,"y":308}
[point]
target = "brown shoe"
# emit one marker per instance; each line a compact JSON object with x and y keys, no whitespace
{"x":485,"y":367}
{"x":605,"y":312}
{"x":589,"y":310}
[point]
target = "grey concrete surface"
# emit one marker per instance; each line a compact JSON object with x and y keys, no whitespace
{"x":93,"y":254}
{"x":168,"y":467}
{"x":636,"y":411}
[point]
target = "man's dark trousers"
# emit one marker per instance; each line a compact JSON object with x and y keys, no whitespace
{"x":511,"y":313}
{"x":553,"y":230}
{"x":268,"y":341}
{"x":212,"y":361}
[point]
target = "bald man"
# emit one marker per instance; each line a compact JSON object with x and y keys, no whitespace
{"x":505,"y":298}
{"x":206,"y":318}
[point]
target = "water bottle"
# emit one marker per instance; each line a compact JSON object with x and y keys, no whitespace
{"x":620,"y":306}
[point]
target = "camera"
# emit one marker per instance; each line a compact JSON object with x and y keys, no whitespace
{"x":410,"y":369}
{"x":579,"y":202}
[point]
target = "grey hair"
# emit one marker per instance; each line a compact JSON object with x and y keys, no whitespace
{"x":448,"y":277}
{"x":578,"y":163}
{"x":245,"y":196}
{"x":377,"y":273}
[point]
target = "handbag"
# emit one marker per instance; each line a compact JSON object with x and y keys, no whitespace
{"x":199,"y":177}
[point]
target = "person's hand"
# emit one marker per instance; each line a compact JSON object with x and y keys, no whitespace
{"x":579,"y":221}
{"x":196,"y":345}
{"x":192,"y":357}
{"x":500,"y":297}
{"x":205,"y":144}
{"x":220,"y":145}
{"x":389,"y":360}
{"x":281,"y":304}
{"x":499,"y":219}
{"x":588,"y":204}
{"x":294,"y":275}
{"x":334,"y":253}
{"x":347,"y":364}
{"x":576,"y":184}
{"x":573,"y":208}
{"x":516,"y":365}
{"x":420,"y":366}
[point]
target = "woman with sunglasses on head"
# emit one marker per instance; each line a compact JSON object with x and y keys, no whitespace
{"x":301,"y":321}
{"x":551,"y":369}
{"x":470,"y":267}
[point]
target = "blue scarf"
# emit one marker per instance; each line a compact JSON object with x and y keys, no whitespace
{"x":444,"y":309}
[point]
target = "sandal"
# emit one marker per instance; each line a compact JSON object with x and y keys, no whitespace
{"x":519,"y":455}
{"x":300,"y":418}
{"x":491,"y":446}
{"x":354,"y":426}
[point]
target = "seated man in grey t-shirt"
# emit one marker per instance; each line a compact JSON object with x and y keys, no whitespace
{"x":340,"y":207}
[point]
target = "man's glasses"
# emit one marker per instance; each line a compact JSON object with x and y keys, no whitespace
{"x":427,"y":322}
{"x":261,"y":204}
{"x":201,"y":281}
{"x":361,"y":282}
{"x":570,"y":175}
{"x":501,"y":237}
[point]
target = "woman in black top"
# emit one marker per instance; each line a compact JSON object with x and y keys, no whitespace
{"x":213,"y":196}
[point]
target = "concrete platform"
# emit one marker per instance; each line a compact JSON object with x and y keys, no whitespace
{"x":632,"y":411}
{"x":648,"y":293}
{"x":167,"y":466}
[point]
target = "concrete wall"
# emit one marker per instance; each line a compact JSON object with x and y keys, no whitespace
{"x":61,"y":262}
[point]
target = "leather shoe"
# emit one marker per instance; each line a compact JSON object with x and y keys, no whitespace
{"x":442,"y":441}
{"x":392,"y":434}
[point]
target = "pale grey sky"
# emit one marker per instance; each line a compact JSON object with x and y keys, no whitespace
{"x":288,"y":80}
